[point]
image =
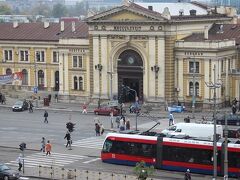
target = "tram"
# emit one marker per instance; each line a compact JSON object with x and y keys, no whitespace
{"x":176,"y":154}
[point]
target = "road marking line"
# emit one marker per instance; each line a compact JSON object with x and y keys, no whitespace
{"x":92,"y":160}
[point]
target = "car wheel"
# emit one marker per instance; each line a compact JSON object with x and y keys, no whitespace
{"x":6,"y":178}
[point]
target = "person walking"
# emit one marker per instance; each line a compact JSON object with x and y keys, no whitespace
{"x":127,"y":124}
{"x":122,"y":124}
{"x":187,"y":175}
{"x":48,"y":148}
{"x":30,"y":107}
{"x":68,"y":137}
{"x":45,"y":117}
{"x":111,"y":118}
{"x":84,"y":111}
{"x":171,"y":119}
{"x":20,"y":162}
{"x":3,"y":99}
{"x":97,"y":129}
{"x":101,"y":129}
{"x":43,"y":142}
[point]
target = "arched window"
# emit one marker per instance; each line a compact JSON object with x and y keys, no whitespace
{"x":25,"y":77}
{"x":75,"y":83}
{"x":40,"y":79}
{"x":8,"y":71}
{"x":197,"y":88}
{"x":190,"y":88}
{"x":80,"y":83}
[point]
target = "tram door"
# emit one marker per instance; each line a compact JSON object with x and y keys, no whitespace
{"x":159,"y":152}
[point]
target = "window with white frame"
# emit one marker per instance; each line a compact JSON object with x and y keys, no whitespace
{"x":40,"y":56}
{"x":193,"y":67}
{"x":77,"y":61}
{"x":23,"y":56}
{"x":78,"y":83}
{"x":191,"y":88}
{"x":8,"y":55}
{"x":55,"y":58}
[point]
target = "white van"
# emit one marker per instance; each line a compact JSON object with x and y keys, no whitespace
{"x":194,"y":130}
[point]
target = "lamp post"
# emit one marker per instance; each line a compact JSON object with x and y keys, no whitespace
{"x":111,"y":78}
{"x":214,"y":86}
{"x":155,"y":69}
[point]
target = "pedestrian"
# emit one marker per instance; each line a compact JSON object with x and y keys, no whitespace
{"x":3,"y":99}
{"x":48,"y":148}
{"x":234,"y":102}
{"x":118,"y":121}
{"x":68,"y":137}
{"x":56,"y":97}
{"x":111,"y":118}
{"x":84,"y":111}
{"x":49,"y":97}
{"x":101,"y":129}
{"x":97,"y":129}
{"x":187,"y":119}
{"x":45,"y":117}
{"x":122,"y":124}
{"x":20,"y":162}
{"x":127,"y":124}
{"x":0,"y":97}
{"x":187,"y":175}
{"x":234,"y":109}
{"x":30,"y":107}
{"x":43,"y":142}
{"x":171,"y":119}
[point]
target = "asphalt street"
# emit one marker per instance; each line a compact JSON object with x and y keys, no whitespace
{"x":17,"y":127}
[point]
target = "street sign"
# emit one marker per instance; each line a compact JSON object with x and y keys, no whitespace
{"x":35,"y":89}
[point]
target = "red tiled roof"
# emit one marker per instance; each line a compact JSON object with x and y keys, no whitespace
{"x":229,"y":31}
{"x":37,"y":32}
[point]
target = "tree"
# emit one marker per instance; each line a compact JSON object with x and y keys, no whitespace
{"x":59,"y":11}
{"x":142,"y":171}
{"x":5,"y":10}
{"x":41,"y":9}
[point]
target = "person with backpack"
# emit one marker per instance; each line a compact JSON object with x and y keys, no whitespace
{"x":68,"y":137}
{"x":97,"y":129}
{"x":43,"y":142}
{"x":45,"y":117}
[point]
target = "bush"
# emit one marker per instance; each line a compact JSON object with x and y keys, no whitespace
{"x":142,"y":171}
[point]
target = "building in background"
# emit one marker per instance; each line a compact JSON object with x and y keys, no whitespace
{"x":146,"y":49}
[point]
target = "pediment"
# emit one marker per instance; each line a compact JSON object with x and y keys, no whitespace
{"x":127,"y":13}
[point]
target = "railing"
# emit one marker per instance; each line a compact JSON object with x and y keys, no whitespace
{"x":56,"y":172}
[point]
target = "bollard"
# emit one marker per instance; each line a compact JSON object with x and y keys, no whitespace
{"x":62,"y":173}
{"x":75,"y":174}
{"x":87,"y":174}
{"x":112,"y":175}
{"x":39,"y":170}
{"x":99,"y":174}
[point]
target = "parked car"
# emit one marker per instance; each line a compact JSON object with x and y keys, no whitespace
{"x":233,"y":120}
{"x":175,"y":108}
{"x":7,"y":173}
{"x":105,"y":110}
{"x":20,"y":105}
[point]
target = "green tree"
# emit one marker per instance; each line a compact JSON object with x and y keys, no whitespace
{"x":59,"y":11}
{"x":41,"y":9}
{"x":5,"y":10}
{"x":142,"y":171}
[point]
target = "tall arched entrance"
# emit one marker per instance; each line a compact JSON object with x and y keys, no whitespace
{"x":130,"y":74}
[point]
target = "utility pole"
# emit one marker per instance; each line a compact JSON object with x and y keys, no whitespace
{"x":214,"y":86}
{"x":225,"y":149}
{"x":194,"y":89}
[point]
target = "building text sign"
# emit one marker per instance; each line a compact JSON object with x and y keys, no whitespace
{"x":127,"y":28}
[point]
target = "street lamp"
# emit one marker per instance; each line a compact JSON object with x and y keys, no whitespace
{"x":111,"y":78}
{"x":214,"y":86}
{"x":155,"y":68}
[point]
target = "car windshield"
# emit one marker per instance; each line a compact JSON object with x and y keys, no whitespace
{"x":4,"y":167}
{"x":19,"y":103}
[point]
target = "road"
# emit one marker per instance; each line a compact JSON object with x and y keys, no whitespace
{"x":17,"y":127}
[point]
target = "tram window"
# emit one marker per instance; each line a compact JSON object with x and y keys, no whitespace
{"x":107,"y":146}
{"x":130,"y":148}
{"x":192,"y":155}
{"x":234,"y":159}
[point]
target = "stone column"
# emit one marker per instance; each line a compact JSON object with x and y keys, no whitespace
{"x":96,"y":77}
{"x":105,"y":83}
{"x":151,"y":74}
{"x":161,"y":72}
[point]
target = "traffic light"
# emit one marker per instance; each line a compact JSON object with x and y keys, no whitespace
{"x":22,"y":146}
{"x":70,"y":126}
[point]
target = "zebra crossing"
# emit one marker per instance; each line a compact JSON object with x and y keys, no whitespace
{"x":55,"y":159}
{"x":91,"y":142}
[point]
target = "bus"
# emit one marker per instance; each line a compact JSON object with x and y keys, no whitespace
{"x":167,"y":153}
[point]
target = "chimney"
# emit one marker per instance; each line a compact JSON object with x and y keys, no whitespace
{"x":73,"y":26}
{"x":206,"y":32}
{"x":62,"y":26}
{"x":15,"y":24}
{"x":46,"y":24}
{"x":150,"y":8}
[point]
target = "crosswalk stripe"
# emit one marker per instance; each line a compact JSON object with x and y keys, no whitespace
{"x":58,"y":159}
{"x":91,"y":142}
{"x":92,"y":160}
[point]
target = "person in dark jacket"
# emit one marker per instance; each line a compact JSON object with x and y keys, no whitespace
{"x":187,"y":175}
{"x":68,"y":137}
{"x":45,"y":117}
